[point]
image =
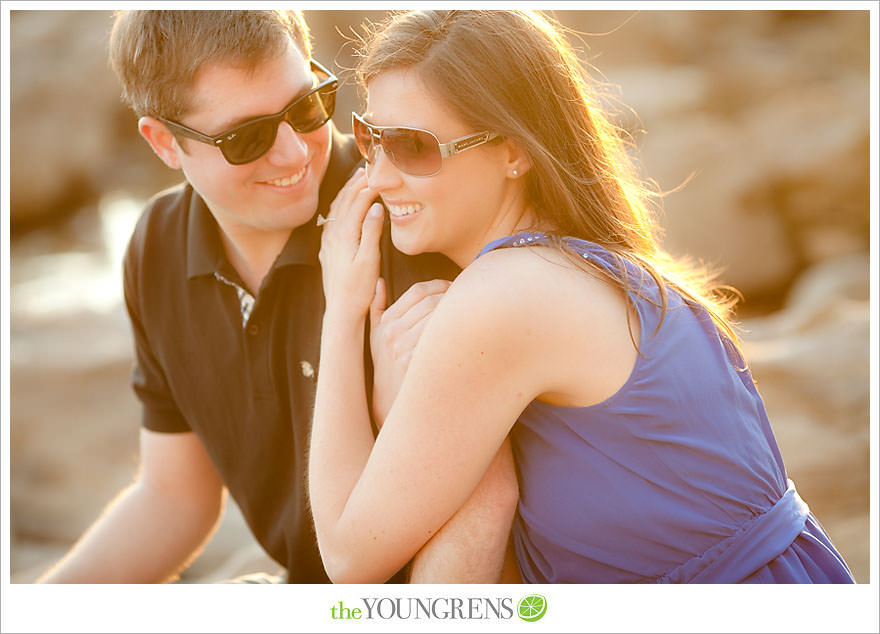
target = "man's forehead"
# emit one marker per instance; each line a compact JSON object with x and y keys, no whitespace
{"x":229,"y":91}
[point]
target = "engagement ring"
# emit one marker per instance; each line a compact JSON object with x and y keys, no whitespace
{"x":322,"y":220}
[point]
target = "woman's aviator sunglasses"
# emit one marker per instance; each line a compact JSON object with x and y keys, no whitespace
{"x":412,"y":151}
{"x":251,"y":140}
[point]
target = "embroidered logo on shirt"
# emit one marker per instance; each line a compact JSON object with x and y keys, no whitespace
{"x":307,"y":370}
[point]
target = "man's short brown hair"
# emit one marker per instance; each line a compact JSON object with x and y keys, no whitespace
{"x":157,"y":54}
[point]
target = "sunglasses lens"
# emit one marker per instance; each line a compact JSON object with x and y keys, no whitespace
{"x":313,"y":110}
{"x":363,"y":137}
{"x":253,"y":140}
{"x":415,"y":152}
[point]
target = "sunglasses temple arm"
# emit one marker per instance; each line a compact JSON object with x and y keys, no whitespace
{"x":467,"y":142}
{"x":183,"y":131}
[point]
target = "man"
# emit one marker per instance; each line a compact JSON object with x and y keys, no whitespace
{"x":223,"y":288}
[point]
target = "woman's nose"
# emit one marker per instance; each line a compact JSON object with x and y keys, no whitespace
{"x":382,"y":175}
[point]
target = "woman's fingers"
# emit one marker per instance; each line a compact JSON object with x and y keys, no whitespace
{"x":377,"y":306}
{"x":350,"y":206}
{"x":371,"y":232}
{"x":415,"y":316}
{"x":355,"y":216}
{"x":343,"y":226}
{"x":414,"y":294}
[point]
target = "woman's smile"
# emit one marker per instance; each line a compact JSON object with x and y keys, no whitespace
{"x":402,"y":210}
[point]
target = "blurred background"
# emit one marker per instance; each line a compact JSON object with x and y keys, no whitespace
{"x":763,"y":113}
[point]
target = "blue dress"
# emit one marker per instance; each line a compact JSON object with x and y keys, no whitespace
{"x":676,"y":478}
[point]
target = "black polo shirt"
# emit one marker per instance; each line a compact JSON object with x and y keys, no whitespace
{"x":241,"y":371}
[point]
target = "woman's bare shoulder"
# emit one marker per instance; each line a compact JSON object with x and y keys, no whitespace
{"x":524,"y":278}
{"x":566,"y":328}
{"x":526,"y":295}
{"x":499,"y":293}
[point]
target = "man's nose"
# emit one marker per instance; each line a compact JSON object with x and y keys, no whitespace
{"x":289,"y":146}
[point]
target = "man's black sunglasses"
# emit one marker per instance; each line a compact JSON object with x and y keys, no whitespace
{"x":251,"y":140}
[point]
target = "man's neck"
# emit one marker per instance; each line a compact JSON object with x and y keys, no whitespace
{"x":252,"y":254}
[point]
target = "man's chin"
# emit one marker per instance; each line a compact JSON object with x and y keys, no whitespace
{"x":300,"y":213}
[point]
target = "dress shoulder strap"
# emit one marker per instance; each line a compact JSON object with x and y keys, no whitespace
{"x":614,"y":264}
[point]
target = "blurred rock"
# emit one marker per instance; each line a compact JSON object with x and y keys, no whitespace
{"x":817,"y":349}
{"x":764,"y":116}
{"x":57,"y":139}
{"x":71,"y":137}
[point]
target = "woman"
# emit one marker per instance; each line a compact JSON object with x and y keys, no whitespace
{"x":643,"y":448}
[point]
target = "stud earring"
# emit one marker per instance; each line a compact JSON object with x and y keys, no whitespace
{"x":516,"y":172}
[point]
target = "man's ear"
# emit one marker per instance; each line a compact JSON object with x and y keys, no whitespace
{"x":161,"y":140}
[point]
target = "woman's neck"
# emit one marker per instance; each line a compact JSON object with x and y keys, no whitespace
{"x":506,"y":223}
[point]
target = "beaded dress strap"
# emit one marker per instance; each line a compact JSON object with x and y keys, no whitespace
{"x":526,"y":238}
{"x":614,"y":264}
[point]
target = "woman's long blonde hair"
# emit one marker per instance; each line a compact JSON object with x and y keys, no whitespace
{"x":514,"y":73}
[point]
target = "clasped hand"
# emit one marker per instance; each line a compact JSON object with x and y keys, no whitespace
{"x":394,"y":334}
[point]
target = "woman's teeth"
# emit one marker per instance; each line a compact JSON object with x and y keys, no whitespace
{"x":403,"y":210}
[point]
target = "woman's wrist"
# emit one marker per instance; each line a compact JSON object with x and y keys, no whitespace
{"x":341,"y":318}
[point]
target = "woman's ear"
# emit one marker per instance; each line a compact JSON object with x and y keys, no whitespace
{"x":517,"y":161}
{"x":161,"y":140}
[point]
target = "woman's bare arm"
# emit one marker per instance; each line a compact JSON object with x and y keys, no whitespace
{"x":470,"y":547}
{"x":470,"y":377}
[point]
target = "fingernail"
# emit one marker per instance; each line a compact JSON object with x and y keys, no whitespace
{"x":376,"y":210}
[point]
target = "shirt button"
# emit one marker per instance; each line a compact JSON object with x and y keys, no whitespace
{"x":253,"y":330}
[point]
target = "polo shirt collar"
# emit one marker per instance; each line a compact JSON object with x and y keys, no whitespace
{"x":204,"y":250}
{"x":205,"y":253}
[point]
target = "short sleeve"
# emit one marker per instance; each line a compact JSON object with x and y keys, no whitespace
{"x":160,"y":412}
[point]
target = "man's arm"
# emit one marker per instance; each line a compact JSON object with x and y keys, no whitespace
{"x":471,"y":546}
{"x":156,"y":526}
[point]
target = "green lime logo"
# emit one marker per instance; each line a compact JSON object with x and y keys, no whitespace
{"x":532,"y":607}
